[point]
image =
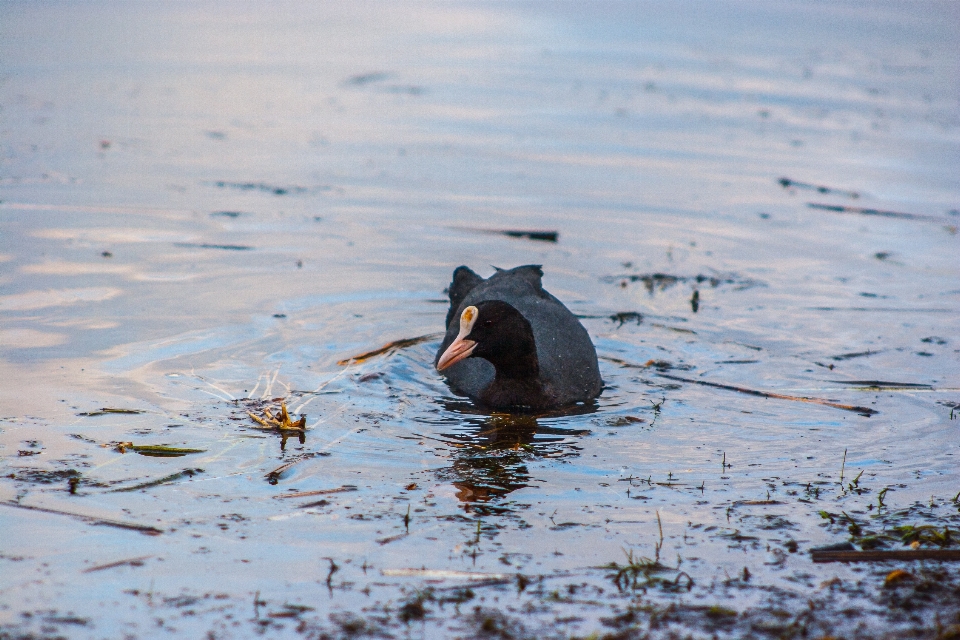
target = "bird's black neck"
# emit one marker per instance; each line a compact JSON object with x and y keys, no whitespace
{"x":517,"y":381}
{"x":521,"y":394}
{"x":518,"y":366}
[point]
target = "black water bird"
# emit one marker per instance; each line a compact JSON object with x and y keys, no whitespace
{"x":510,"y":345}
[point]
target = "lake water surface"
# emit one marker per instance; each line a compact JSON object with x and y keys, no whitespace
{"x":205,"y":208}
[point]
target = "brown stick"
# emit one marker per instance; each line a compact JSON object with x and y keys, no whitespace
{"x":318,"y":492}
{"x":142,"y":528}
{"x":389,"y":348}
{"x":274,"y":475}
{"x":875,"y":212}
{"x":864,"y":411}
{"x":881,"y":556}
{"x":133,"y":562}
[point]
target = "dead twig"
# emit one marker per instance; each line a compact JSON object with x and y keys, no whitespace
{"x":875,"y":212}
{"x":274,"y":476}
{"x":133,"y":562}
{"x":389,"y":348}
{"x":881,"y":556}
{"x":864,"y":411}
{"x":145,"y":529}
{"x":318,"y":492}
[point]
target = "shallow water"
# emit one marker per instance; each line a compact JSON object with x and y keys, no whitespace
{"x":206,"y":207}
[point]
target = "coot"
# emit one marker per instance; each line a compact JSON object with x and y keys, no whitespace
{"x":511,"y":345}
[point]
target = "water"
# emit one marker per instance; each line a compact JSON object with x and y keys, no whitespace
{"x":206,"y":207}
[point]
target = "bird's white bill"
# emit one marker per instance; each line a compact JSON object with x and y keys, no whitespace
{"x":458,"y":350}
{"x":461,"y":347}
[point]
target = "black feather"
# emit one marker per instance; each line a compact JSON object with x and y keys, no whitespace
{"x":532,"y":353}
{"x":464,"y":280}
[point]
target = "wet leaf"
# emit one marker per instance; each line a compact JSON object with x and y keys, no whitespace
{"x":161,"y":451}
{"x":896,"y":577}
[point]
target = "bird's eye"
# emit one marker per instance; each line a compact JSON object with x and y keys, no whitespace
{"x":488,"y":323}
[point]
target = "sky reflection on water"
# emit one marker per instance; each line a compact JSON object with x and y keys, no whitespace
{"x":206,"y":207}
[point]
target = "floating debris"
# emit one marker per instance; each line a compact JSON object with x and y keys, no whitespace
{"x":133,"y":562}
{"x":290,"y":611}
{"x":641,"y":573}
{"x":927,"y":533}
{"x":857,"y":354}
{"x":543,"y":236}
{"x":443,"y":574}
{"x":280,"y":421}
{"x":44,"y":476}
{"x":527,"y":234}
{"x":207,"y":245}
{"x":376,"y":78}
{"x":260,"y":186}
{"x":173,"y":477}
{"x":145,"y":529}
{"x":367,"y":78}
{"x":108,"y":411}
{"x":624,"y":421}
{"x":884,"y":309}
{"x":654,"y":282}
{"x":787,"y":183}
{"x":318,"y":492}
{"x":155,"y":450}
{"x":389,"y":348}
{"x":881,"y":384}
{"x":282,"y":424}
{"x":875,"y":212}
{"x":274,"y":476}
{"x":659,"y":365}
{"x":873,"y":555}
{"x":864,"y":411}
{"x":674,"y":329}
{"x":627,"y":316}
{"x":897,"y":576}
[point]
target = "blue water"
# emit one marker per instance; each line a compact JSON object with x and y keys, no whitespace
{"x":366,"y":149}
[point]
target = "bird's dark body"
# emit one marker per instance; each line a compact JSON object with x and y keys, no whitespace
{"x":566,"y":361}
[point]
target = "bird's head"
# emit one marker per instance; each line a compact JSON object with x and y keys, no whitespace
{"x":495,"y":331}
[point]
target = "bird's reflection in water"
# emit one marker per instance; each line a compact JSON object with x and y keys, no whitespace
{"x":491,"y":454}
